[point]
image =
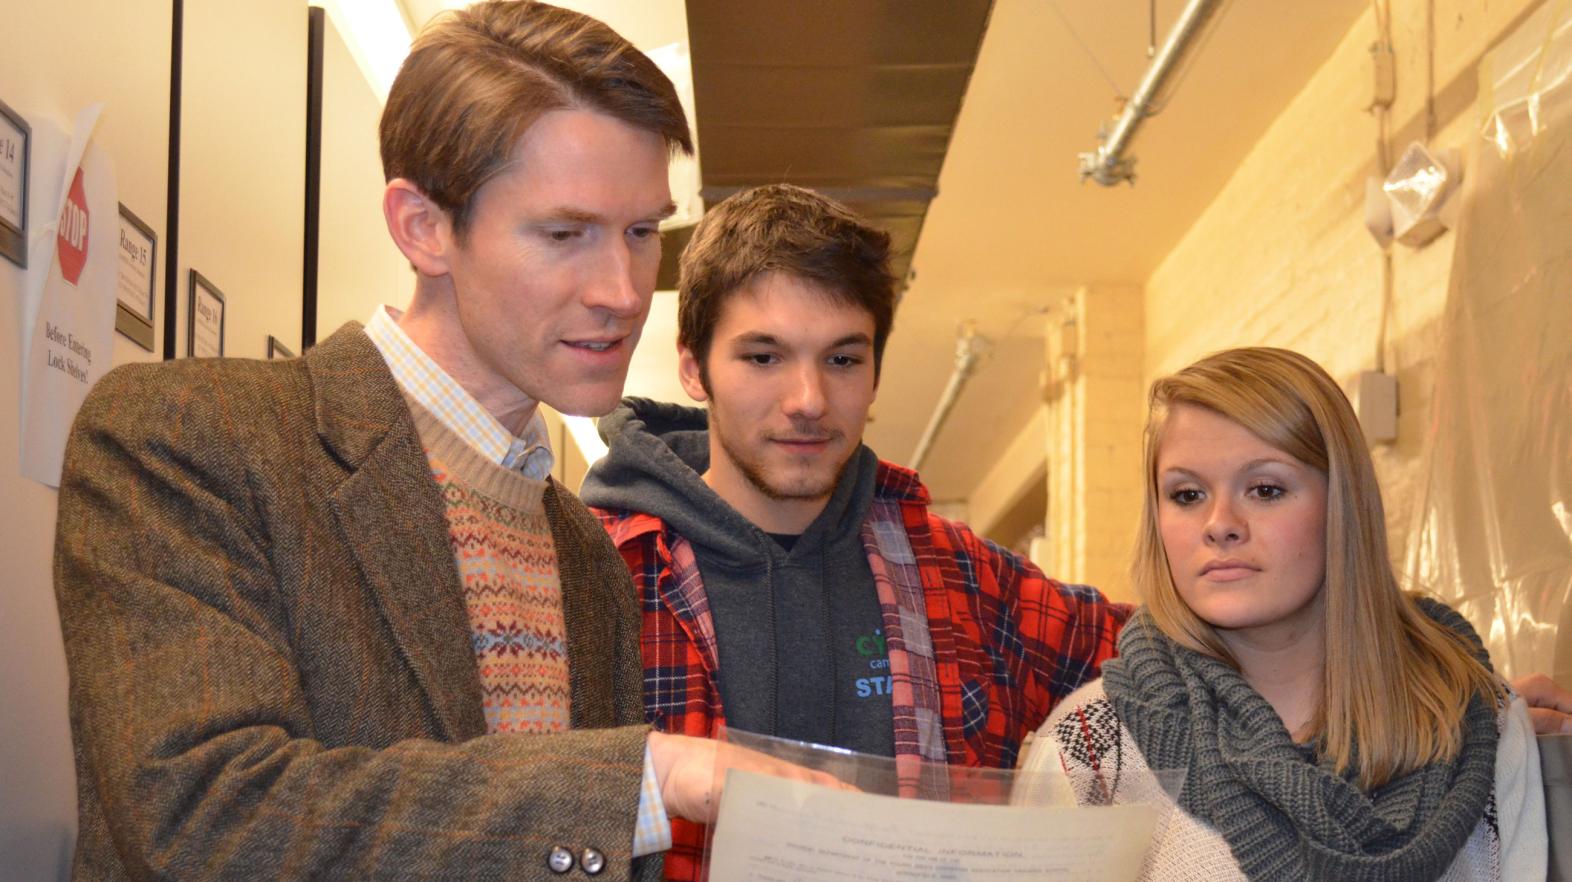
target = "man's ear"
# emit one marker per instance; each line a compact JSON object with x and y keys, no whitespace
{"x":690,"y":373}
{"x":419,"y":227}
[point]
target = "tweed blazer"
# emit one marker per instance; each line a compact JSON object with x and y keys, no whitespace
{"x":271,"y":664}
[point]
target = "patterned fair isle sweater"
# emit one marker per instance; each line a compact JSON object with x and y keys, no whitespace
{"x":1084,"y":741}
{"x":507,"y":562}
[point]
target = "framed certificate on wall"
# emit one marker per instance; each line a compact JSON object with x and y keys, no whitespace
{"x":15,"y":135}
{"x":134,"y":283}
{"x":205,"y":328}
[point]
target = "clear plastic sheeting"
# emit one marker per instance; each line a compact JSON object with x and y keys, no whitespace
{"x":1493,"y":531}
{"x":1515,"y":79}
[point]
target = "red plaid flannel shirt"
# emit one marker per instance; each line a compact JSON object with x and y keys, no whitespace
{"x":1009,"y":642}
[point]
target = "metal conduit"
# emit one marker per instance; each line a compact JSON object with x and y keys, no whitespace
{"x":967,"y":349}
{"x":1108,"y":165}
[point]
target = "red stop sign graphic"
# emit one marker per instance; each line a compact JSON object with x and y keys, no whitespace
{"x":71,"y":249}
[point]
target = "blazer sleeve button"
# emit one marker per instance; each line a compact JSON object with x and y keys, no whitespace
{"x":560,"y":860}
{"x":592,"y":861}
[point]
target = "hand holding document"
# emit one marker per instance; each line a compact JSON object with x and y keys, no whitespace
{"x":788,"y":830}
{"x":970,"y":824}
{"x":687,"y":771}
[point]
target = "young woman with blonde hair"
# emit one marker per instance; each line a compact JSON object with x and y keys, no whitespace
{"x":1329,"y":725}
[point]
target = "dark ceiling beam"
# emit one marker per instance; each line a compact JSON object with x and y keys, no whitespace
{"x":855,"y":100}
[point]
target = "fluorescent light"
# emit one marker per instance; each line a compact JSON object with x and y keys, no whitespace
{"x":377,"y":35}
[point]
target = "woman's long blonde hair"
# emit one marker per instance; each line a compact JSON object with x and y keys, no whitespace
{"x":1396,"y":684}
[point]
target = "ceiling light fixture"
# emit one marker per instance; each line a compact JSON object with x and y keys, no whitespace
{"x":378,"y":36}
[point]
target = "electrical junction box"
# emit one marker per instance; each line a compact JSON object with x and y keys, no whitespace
{"x":1383,"y":86}
{"x":1375,"y":401}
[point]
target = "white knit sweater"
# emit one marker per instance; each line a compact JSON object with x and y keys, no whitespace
{"x":1085,"y":741}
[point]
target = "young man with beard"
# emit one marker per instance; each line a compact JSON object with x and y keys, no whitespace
{"x":791,"y":582}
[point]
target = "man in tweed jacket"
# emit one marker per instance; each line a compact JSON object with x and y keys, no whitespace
{"x":271,"y":646}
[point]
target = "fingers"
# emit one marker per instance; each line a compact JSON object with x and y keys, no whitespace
{"x":824,"y":779}
{"x":768,"y":765}
{"x":692,"y":771}
{"x":1550,"y":722}
{"x":685,"y":770}
{"x":1542,"y":692}
{"x":748,"y":760}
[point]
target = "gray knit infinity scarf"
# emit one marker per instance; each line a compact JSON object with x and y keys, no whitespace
{"x":1284,"y":816}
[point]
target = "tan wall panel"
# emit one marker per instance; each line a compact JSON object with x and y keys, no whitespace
{"x":58,"y":59}
{"x":1016,"y":474}
{"x":242,"y":166}
{"x":358,"y":265}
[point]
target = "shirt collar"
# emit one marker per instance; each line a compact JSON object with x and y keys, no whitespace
{"x":425,"y":381}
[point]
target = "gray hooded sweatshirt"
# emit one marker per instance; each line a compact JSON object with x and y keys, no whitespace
{"x":799,"y":631}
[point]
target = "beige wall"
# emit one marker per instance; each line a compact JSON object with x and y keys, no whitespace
{"x":358,"y":266}
{"x":242,"y":186}
{"x":1017,"y":474}
{"x":242,"y":167}
{"x":1281,"y":256}
{"x":52,"y":67}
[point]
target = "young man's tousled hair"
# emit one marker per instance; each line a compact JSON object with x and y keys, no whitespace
{"x":477,"y":78}
{"x":786,"y":229}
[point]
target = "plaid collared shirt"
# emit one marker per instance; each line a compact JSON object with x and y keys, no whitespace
{"x":1001,"y":642}
{"x":424,"y":380}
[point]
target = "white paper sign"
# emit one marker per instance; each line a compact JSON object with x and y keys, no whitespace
{"x":69,"y":297}
{"x":790,"y":831}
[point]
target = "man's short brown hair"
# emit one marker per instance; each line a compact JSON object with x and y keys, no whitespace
{"x":477,"y":78}
{"x":787,"y":229}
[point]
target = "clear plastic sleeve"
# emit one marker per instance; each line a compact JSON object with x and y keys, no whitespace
{"x":1493,"y":529}
{"x":871,"y":818}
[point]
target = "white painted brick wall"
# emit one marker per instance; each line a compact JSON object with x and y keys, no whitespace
{"x":1094,"y":437}
{"x":1281,"y":256}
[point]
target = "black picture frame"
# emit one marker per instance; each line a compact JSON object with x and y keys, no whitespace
{"x":134,"y":324}
{"x":13,"y":236}
{"x":275,"y":349}
{"x":316,"y":38}
{"x":200,"y":285}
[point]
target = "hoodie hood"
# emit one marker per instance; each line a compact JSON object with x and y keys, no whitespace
{"x":656,"y":455}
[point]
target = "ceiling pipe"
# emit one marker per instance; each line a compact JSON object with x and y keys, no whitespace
{"x":1108,"y":165}
{"x":968,"y":347}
